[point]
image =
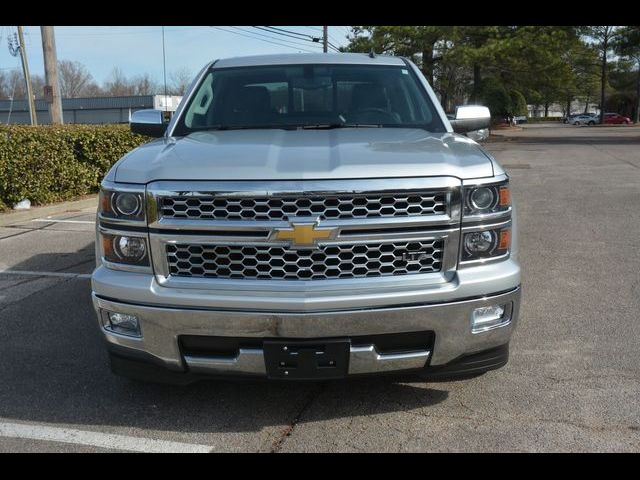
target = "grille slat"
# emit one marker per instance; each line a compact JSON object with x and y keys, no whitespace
{"x":329,"y":207}
{"x":324,"y":262}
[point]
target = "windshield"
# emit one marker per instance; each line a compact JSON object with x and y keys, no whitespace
{"x":309,"y":96}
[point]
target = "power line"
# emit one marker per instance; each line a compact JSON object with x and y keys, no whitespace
{"x":307,"y":38}
{"x":273,"y":38}
{"x":110,"y":32}
{"x":318,"y":29}
{"x":289,"y":31}
{"x":333,"y":46}
{"x":262,"y":39}
{"x":331,"y":37}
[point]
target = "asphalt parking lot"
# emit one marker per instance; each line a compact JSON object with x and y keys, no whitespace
{"x":572,"y":383}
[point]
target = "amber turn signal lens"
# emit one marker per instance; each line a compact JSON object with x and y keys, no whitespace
{"x":105,"y":201}
{"x":505,"y":197}
{"x":107,"y":246}
{"x":504,"y":241}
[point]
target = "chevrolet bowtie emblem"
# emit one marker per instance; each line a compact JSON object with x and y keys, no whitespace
{"x":304,"y":234}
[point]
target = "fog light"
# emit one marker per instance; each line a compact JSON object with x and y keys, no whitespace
{"x":123,"y":323}
{"x":130,"y":248}
{"x":486,"y":318}
{"x":479,"y":242}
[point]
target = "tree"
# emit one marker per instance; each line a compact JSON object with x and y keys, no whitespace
{"x":179,"y":81}
{"x":628,"y":46}
{"x":518,"y":103}
{"x":420,"y":43}
{"x":5,"y":85}
{"x":495,"y":97}
{"x":15,"y":85}
{"x":37,"y":86}
{"x":604,"y":38}
{"x":74,"y":78}
{"x":117,"y":84}
{"x":475,"y":46}
{"x":143,"y":85}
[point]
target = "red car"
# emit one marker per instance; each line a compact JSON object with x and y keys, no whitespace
{"x":616,"y":118}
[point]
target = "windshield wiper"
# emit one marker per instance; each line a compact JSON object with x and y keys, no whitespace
{"x":317,"y":126}
{"x":236,"y":127}
{"x":328,"y":126}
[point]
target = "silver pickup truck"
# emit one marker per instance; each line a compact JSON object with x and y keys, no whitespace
{"x":307,"y":217}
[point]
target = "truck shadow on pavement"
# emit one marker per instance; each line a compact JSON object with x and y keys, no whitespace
{"x":54,"y":369}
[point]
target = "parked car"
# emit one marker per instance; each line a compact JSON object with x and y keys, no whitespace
{"x":616,"y":119}
{"x":573,"y":115}
{"x":584,"y":119}
{"x":279,"y":228}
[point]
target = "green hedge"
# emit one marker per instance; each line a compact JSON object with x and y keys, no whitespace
{"x":543,"y":119}
{"x":54,"y":163}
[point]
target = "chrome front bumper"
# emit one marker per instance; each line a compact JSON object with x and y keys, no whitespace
{"x":162,"y":326}
{"x":362,"y":359}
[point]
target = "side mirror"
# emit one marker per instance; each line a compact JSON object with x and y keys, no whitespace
{"x":471,"y":117}
{"x":148,"y":122}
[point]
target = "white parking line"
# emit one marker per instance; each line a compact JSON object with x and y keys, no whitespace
{"x":98,"y":439}
{"x":45,"y":274}
{"x":52,"y":220}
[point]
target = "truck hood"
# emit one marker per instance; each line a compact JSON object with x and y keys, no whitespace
{"x":276,"y":154}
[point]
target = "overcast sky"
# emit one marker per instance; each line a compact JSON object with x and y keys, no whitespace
{"x":138,"y":50}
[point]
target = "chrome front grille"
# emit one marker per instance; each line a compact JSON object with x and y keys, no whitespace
{"x":324,"y":262}
{"x":324,"y":207}
{"x":220,"y":234}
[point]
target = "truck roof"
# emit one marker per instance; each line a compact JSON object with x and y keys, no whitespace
{"x":309,"y":58}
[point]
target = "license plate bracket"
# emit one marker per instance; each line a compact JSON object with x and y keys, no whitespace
{"x":307,"y":359}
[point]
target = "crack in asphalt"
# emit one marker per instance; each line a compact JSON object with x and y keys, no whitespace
{"x":592,"y":145}
{"x":55,"y":284}
{"x":511,"y":418}
{"x":276,"y":446}
{"x":18,"y":234}
{"x":44,"y":227}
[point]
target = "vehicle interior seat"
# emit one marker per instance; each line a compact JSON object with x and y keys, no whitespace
{"x":369,"y":104}
{"x":368,"y":95}
{"x":247,"y":105}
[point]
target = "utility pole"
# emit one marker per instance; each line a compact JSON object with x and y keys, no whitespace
{"x":325,"y":39}
{"x":52,"y":88}
{"x":27,"y":77}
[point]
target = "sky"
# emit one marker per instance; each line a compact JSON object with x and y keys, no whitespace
{"x":138,"y":50}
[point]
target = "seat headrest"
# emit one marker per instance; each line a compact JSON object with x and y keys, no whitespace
{"x":251,"y":99}
{"x":368,"y":95}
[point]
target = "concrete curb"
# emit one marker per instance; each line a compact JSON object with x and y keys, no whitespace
{"x":39,"y":212}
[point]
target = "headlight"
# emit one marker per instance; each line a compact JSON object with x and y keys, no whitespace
{"x":483,"y":200}
{"x":125,"y":249}
{"x":483,"y":244}
{"x":127,"y":204}
{"x":122,"y":205}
